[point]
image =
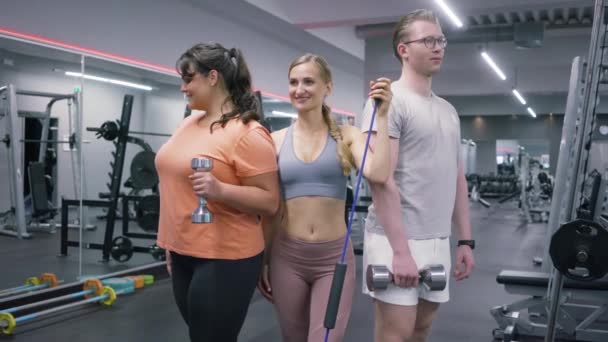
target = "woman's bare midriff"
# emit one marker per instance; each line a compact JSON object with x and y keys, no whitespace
{"x":315,"y":218}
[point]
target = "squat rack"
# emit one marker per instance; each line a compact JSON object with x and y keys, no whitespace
{"x":9,"y":94}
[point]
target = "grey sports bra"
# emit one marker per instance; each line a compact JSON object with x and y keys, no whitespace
{"x":322,"y":177}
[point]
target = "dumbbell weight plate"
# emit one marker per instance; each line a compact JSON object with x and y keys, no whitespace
{"x":122,"y":249}
{"x":109,"y":130}
{"x":434,"y":278}
{"x":147,"y":213}
{"x":157,"y":253}
{"x":377,"y":277}
{"x":143,"y":171}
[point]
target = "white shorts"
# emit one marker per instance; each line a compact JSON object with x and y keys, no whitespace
{"x":378,"y":251}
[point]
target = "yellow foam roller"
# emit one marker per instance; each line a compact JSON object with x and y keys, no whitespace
{"x":111,"y":296}
{"x":9,"y":321}
{"x":32,"y":281}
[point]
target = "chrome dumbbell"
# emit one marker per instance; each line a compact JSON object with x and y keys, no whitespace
{"x":202,"y":213}
{"x":433,"y":277}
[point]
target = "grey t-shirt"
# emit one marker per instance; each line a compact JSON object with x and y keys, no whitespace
{"x":428,"y":129}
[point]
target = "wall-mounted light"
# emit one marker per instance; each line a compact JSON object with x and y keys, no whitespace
{"x":272,"y":100}
{"x":449,"y":13}
{"x":531,"y":111}
{"x":519,"y":97}
{"x":284,"y":115}
{"x":109,"y":80}
{"x":493,"y":65}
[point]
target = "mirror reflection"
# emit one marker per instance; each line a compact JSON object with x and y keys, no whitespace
{"x":127,"y":114}
{"x":40,"y":111}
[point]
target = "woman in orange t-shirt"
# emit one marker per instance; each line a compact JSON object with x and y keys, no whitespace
{"x":215,"y":266}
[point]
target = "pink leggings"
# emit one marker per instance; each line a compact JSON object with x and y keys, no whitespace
{"x":300,"y":276}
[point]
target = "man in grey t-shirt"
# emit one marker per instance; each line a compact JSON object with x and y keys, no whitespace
{"x":409,"y":223}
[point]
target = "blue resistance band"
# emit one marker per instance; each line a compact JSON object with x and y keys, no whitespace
{"x":340,"y":270}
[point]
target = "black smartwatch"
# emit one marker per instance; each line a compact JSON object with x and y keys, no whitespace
{"x":470,"y":243}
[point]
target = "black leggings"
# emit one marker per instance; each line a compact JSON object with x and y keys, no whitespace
{"x":213,"y":295}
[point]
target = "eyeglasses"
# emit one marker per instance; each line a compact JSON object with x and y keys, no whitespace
{"x":430,"y":42}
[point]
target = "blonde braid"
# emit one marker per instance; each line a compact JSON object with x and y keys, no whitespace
{"x":347,"y":161}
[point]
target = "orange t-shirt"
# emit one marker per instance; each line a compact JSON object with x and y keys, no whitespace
{"x":238,"y":151}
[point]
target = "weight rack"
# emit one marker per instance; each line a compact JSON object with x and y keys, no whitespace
{"x":112,"y":203}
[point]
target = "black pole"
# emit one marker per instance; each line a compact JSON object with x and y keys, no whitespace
{"x":119,"y":160}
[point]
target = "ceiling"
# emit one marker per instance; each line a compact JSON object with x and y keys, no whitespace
{"x":363,"y":28}
{"x":337,"y":23}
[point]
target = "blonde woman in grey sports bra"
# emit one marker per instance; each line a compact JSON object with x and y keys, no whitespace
{"x":305,"y":239}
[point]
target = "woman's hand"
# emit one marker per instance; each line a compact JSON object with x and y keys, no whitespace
{"x":264,"y":283}
{"x":380,"y":90}
{"x":168,"y":261}
{"x":205,"y":184}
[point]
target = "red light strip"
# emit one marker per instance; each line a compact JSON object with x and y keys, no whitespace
{"x":112,"y":57}
{"x":86,"y":51}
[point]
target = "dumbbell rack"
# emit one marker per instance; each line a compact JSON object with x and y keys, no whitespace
{"x":111,"y":198}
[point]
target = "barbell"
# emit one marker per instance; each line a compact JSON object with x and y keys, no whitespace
{"x":110,"y":130}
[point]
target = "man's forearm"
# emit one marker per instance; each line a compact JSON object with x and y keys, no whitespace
{"x":388,"y":212}
{"x":460,"y":217}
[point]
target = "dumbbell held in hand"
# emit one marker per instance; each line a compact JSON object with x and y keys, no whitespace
{"x":202,"y":213}
{"x":433,"y":277}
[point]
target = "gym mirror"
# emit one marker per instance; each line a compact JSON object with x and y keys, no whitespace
{"x":40,"y":159}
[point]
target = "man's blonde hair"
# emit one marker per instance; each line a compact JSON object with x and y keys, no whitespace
{"x":401,"y":31}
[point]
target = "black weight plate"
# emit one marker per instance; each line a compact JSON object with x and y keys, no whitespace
{"x":578,"y":250}
{"x":143,"y":171}
{"x":147,"y":213}
{"x":122,"y":249}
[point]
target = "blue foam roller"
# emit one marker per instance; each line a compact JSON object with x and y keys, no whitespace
{"x":123,"y":285}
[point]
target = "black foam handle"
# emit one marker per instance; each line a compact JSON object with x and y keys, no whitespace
{"x":334,"y":296}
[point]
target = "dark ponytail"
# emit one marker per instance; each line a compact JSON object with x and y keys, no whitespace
{"x":239,"y":88}
{"x":231,"y":65}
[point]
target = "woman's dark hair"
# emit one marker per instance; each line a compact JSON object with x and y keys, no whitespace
{"x":230,"y":64}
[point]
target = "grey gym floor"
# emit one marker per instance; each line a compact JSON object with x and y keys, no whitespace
{"x":504,"y":241}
